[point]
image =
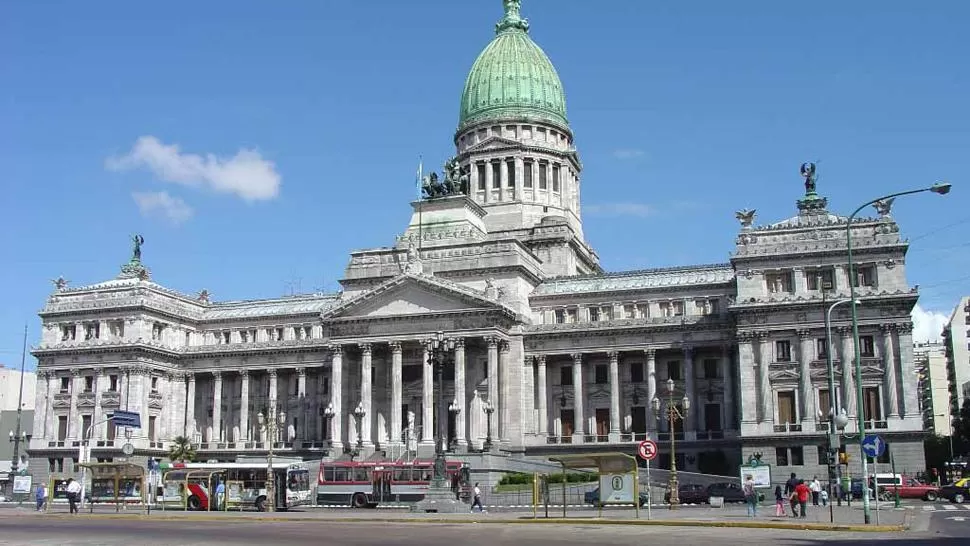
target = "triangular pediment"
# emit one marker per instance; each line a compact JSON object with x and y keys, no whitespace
{"x":493,"y":143}
{"x":410,"y":294}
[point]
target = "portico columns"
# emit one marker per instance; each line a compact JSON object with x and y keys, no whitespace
{"x":190,"y":424}
{"x":848,"y":384}
{"x":336,"y":394}
{"x":764,"y":382}
{"x":614,"y":396}
{"x":462,"y":417}
{"x":543,"y":410}
{"x":691,"y":390}
{"x":396,"y":388}
{"x":427,"y":399}
{"x":365,"y":393}
{"x":651,"y":355}
{"x":302,"y":401}
{"x":216,"y":407}
{"x":889,"y":361}
{"x":505,"y":407}
{"x":492,"y":344}
{"x":580,"y":414}
{"x":805,"y":376}
{"x":273,"y":410}
{"x":728,"y":379}
{"x":244,"y":406}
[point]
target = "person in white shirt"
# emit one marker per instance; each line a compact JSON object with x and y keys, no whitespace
{"x":477,"y":499}
{"x":816,"y":488}
{"x":73,"y":494}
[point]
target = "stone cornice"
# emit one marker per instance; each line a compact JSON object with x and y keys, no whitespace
{"x":628,"y":326}
{"x":801,"y":302}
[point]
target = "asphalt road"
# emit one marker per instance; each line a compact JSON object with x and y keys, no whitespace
{"x":42,"y":531}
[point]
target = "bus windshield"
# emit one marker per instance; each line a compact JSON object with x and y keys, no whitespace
{"x":298,"y":480}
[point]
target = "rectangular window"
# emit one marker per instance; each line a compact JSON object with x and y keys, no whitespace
{"x":154,"y":384}
{"x":88,"y":383}
{"x":872,"y":409}
{"x":864,"y":275}
{"x":710,"y":368}
{"x":783,"y":351}
{"x":821,"y":348}
{"x":480,"y":169}
{"x":594,"y":314}
{"x":560,"y":316}
{"x":571,"y":316}
{"x":602,"y":374}
{"x":823,"y":457}
{"x":496,"y":175}
{"x":868,"y":347}
{"x":678,"y":307}
{"x":673,"y":370}
{"x":606,"y":313}
{"x":643,"y":310}
{"x":820,"y":279}
{"x":542,"y":175}
{"x":824,"y":403}
{"x":712,"y":416}
{"x":781,"y":456}
{"x":112,"y":383}
{"x":65,"y":384}
{"x":151,"y":428}
{"x":510,"y":167}
{"x":797,"y":456}
{"x":527,"y":174}
{"x":636,"y":372}
{"x":786,"y":407}
{"x":629,"y":311}
{"x":566,"y":375}
{"x":555,"y":178}
{"x":61,"y":428}
{"x":779,"y":283}
{"x":85,"y":426}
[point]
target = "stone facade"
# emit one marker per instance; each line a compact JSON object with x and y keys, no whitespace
{"x":568,"y":357}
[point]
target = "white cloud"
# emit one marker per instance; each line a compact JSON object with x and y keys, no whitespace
{"x":627,"y":153}
{"x":245,"y":174}
{"x":162,"y":204}
{"x":620,"y":209}
{"x":927,"y":325}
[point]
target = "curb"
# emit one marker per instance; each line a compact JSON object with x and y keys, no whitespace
{"x":520,"y":521}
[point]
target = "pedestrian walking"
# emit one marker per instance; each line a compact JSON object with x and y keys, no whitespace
{"x":73,"y":494}
{"x":41,"y":496}
{"x":816,"y":488}
{"x":750,"y":496}
{"x":779,"y":502}
{"x":477,"y":499}
{"x":824,"y":495}
{"x":802,"y":493}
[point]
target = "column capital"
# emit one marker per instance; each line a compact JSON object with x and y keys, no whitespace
{"x":844,"y":331}
{"x":301,"y":372}
{"x":75,"y":373}
{"x":189,"y":377}
{"x":614,"y":355}
{"x":803,"y":334}
{"x":365,"y":348}
{"x":396,"y":346}
{"x":504,"y":346}
{"x":217,"y":374}
{"x":905,"y":328}
{"x":762,"y":336}
{"x":887,"y":328}
{"x":244,"y":373}
{"x":688,"y":351}
{"x":491,"y":341}
{"x":577,"y":358}
{"x":651,"y":353}
{"x":459,"y":343}
{"x":336,"y":349}
{"x":541,"y":360}
{"x":99,"y":372}
{"x":271,"y":372}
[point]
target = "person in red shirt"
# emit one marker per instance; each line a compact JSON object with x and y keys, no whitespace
{"x":802,"y":491}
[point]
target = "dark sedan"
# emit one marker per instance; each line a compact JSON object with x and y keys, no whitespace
{"x":689,"y":493}
{"x":731,"y":491}
{"x":958,"y":491}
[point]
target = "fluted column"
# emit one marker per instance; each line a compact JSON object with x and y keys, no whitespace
{"x":74,"y":419}
{"x":910,"y":394}
{"x":764,"y":381}
{"x":427,"y":398}
{"x":301,"y":431}
{"x":273,"y":388}
{"x":462,"y":417}
{"x":100,"y":385}
{"x":805,"y":342}
{"x":336,"y":394}
{"x":365,"y":393}
{"x":492,"y":344}
{"x":614,"y":396}
{"x":727,"y":376}
{"x":396,"y":388}
{"x":216,"y":406}
{"x":579,"y":411}
{"x":651,"y":355}
{"x":848,"y":372}
{"x":541,"y":394}
{"x":690,"y":388}
{"x":190,"y":424}
{"x":505,"y":407}
{"x":889,"y":360}
{"x":244,"y":405}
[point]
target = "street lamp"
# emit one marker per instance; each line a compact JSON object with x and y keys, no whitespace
{"x":328,"y":414}
{"x":489,"y":409}
{"x":359,"y":414}
{"x":673,"y":412}
{"x":20,"y":435}
{"x":270,"y":426}
{"x":440,"y":355}
{"x":455,"y":410}
{"x":941,"y":188}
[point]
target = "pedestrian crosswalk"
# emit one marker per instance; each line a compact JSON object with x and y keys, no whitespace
{"x":945,"y":507}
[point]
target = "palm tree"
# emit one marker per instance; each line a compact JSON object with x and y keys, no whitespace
{"x":181,"y":450}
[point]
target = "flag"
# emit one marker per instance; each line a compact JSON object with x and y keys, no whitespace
{"x":420,"y":174}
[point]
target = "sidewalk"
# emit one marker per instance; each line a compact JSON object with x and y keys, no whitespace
{"x":846,"y":518}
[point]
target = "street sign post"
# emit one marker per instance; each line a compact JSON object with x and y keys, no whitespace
{"x":647,"y":450}
{"x":130,"y":419}
{"x":873,"y":446}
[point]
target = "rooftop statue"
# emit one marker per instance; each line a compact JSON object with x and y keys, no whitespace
{"x":745,"y":216}
{"x":884,"y":206}
{"x":808,"y":173}
{"x":513,"y":17}
{"x":455,"y":182}
{"x":60,"y":283}
{"x":137,"y":241}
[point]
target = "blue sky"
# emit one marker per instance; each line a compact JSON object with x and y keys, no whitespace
{"x":307,"y":119}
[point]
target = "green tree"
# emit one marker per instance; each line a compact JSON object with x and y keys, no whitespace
{"x":181,"y":450}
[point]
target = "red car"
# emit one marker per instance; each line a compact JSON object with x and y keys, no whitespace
{"x":909,"y":488}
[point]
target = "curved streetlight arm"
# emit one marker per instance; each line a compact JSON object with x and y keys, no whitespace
{"x":941,"y":188}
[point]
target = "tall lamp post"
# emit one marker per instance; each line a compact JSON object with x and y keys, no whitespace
{"x":328,"y":414}
{"x":270,"y":425}
{"x":19,"y":436}
{"x":359,"y":414}
{"x":438,"y":358}
{"x":837,"y":420}
{"x":454,"y":409}
{"x":489,"y":409}
{"x":672,"y":412}
{"x":941,"y":188}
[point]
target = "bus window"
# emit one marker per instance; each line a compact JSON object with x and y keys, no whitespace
{"x":328,"y":474}
{"x":341,"y":474}
{"x":402,"y":474}
{"x":360,"y":475}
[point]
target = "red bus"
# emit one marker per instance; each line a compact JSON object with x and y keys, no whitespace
{"x":192,"y":486}
{"x":369,"y":483}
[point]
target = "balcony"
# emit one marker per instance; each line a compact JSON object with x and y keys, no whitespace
{"x":875,"y":425}
{"x":785,"y":428}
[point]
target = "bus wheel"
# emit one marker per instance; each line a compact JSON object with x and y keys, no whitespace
{"x":194,"y":503}
{"x":359,"y":500}
{"x":261,"y":504}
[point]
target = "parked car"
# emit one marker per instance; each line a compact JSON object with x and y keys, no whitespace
{"x":908,"y":488}
{"x":690,"y":493}
{"x":958,"y":491}
{"x":731,"y":491}
{"x":593,"y":497}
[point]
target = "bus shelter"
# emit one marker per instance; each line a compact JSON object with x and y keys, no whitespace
{"x":57,"y":489}
{"x":118,"y":483}
{"x":618,"y":477}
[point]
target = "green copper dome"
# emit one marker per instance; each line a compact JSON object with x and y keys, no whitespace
{"x":512,"y":78}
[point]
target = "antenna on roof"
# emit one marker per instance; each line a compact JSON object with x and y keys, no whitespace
{"x":293,"y":287}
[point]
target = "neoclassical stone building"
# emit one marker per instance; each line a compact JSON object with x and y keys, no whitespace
{"x":567,"y":356}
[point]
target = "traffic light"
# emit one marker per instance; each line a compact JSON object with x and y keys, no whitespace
{"x":832,"y":459}
{"x":843,"y":458}
{"x":150,"y":464}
